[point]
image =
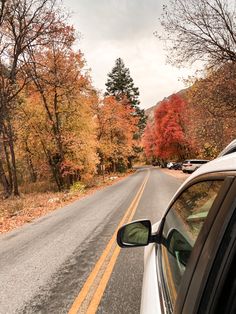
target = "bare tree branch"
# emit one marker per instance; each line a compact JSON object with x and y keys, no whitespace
{"x":200,"y":30}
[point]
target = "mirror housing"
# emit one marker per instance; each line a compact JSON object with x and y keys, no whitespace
{"x":135,"y":234}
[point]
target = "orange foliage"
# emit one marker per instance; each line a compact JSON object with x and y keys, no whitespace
{"x":149,"y":140}
{"x":116,"y":127}
{"x":211,"y":106}
{"x":57,"y":116}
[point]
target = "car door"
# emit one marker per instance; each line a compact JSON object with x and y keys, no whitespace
{"x":184,"y":230}
{"x":213,"y":280}
{"x":219,"y":294}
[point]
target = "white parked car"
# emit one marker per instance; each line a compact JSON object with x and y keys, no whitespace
{"x":190,"y":255}
{"x":170,"y":165}
{"x":191,"y":165}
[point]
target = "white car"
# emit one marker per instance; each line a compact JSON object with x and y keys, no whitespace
{"x":190,"y":258}
{"x":170,"y":165}
{"x":191,"y":165}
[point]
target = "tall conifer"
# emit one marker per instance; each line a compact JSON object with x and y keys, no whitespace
{"x":121,"y":86}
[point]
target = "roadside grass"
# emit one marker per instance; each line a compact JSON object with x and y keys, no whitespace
{"x":38,"y":200}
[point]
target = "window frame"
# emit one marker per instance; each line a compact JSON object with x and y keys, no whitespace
{"x":220,"y":277}
{"x":167,"y":306}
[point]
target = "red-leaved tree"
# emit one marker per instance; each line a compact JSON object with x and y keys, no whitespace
{"x":167,"y":139}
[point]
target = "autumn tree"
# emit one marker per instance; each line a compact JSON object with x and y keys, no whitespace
{"x":170,"y":139}
{"x":36,"y":147}
{"x":149,"y":141}
{"x":212,"y":110}
{"x":116,"y":126}
{"x":59,"y":105}
{"x":200,"y":30}
{"x":24,"y":25}
{"x":121,"y":86}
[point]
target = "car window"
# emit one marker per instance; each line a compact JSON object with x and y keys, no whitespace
{"x":181,"y":229}
{"x":232,"y":150}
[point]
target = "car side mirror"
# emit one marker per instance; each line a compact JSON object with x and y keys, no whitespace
{"x":135,"y":234}
{"x":179,"y":247}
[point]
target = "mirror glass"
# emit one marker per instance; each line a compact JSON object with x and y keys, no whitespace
{"x":180,"y":248}
{"x":136,"y":233}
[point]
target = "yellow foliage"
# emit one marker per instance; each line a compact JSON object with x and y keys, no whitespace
{"x":56,"y":117}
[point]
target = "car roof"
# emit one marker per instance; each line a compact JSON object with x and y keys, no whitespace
{"x":224,"y":163}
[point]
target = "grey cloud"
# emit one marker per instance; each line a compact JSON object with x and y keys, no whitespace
{"x":117,"y":19}
{"x":124,"y":28}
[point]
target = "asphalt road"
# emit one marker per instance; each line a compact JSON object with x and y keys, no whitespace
{"x":44,"y":264}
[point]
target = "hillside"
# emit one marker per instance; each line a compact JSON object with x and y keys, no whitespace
{"x":150,"y":111}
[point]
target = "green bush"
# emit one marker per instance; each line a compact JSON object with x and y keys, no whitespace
{"x":77,"y":187}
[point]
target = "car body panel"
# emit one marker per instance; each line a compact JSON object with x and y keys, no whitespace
{"x":150,"y":302}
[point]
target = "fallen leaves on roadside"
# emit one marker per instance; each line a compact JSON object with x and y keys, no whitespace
{"x":16,"y":211}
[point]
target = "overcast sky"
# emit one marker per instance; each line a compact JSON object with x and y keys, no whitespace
{"x":124,"y":28}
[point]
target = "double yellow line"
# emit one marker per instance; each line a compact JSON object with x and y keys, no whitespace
{"x":90,"y":295}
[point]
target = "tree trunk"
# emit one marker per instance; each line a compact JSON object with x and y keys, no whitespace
{"x":33,"y":174}
{"x":13,"y":160}
{"x":113,"y":166}
{"x":56,"y":172}
{"x":7,"y":157}
{"x":4,"y":181}
{"x":57,"y":177}
{"x":130,"y":162}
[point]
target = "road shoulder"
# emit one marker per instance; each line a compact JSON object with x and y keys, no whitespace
{"x":17,"y":211}
{"x":178,"y":174}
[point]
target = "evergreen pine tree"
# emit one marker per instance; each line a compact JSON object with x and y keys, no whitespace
{"x":121,"y":86}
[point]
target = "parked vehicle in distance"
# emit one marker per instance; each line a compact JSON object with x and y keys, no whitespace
{"x":190,"y":254}
{"x":174,"y":165}
{"x":170,"y":164}
{"x":191,"y":165}
{"x":177,"y":166}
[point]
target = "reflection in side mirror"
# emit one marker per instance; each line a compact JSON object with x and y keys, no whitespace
{"x":179,"y":247}
{"x":134,"y":234}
